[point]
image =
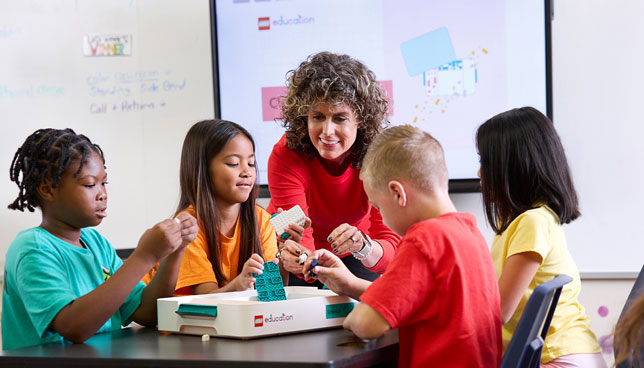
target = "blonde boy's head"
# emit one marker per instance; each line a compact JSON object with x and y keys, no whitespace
{"x":405,"y":153}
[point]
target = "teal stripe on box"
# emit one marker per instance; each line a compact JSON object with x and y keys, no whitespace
{"x":338,"y":310}
{"x":186,"y":310}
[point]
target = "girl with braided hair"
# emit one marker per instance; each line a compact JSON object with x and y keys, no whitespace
{"x":63,"y":280}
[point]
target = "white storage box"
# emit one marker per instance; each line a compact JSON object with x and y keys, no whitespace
{"x":241,"y":315}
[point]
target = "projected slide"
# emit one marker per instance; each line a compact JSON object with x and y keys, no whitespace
{"x":447,"y":66}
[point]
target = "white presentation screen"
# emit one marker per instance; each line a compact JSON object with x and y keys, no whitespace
{"x":447,"y":65}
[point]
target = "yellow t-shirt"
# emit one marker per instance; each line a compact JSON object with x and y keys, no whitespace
{"x":538,"y":230}
{"x":196,"y":267}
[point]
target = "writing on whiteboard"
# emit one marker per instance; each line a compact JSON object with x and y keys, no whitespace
{"x":128,"y":105}
{"x":31,"y":91}
{"x":107,"y":45}
{"x":130,"y":83}
{"x":8,"y":31}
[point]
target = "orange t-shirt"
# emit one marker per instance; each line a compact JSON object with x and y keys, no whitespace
{"x":196,"y":267}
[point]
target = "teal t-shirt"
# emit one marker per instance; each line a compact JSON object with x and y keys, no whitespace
{"x":43,"y":274}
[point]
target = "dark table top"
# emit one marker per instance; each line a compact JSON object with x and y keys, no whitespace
{"x":146,"y":347}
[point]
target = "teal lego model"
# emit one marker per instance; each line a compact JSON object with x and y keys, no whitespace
{"x":269,"y":284}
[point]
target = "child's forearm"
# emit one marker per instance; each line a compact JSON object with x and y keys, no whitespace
{"x":79,"y":320}
{"x":356,"y":287}
{"x":366,"y":322}
{"x":162,"y":285}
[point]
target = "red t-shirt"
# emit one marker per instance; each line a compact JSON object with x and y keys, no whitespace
{"x":328,"y":200}
{"x":441,"y":292}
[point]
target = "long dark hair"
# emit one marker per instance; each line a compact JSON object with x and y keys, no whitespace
{"x":203,"y":142}
{"x":45,"y":155}
{"x":523,"y":165}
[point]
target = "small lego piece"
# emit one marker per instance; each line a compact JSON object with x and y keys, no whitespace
{"x":313,"y":264}
{"x":280,"y":221}
{"x":205,"y":337}
{"x":303,"y":258}
{"x":269,"y":284}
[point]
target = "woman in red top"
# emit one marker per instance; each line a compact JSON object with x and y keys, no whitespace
{"x":333,"y":111}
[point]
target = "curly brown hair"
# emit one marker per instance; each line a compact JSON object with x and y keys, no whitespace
{"x":334,"y":79}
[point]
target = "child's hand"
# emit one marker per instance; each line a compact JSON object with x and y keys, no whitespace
{"x":295,"y":231}
{"x":245,"y":280}
{"x":189,"y":228}
{"x":290,"y":253}
{"x":330,"y":270}
{"x":160,"y":240}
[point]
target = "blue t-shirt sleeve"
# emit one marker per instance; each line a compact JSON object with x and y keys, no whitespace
{"x":133,"y":301}
{"x":44,"y":287}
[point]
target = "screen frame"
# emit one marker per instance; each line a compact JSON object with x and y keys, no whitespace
{"x":455,"y":185}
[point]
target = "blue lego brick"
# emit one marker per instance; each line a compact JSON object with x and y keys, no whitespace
{"x":313,"y":264}
{"x":269,"y":284}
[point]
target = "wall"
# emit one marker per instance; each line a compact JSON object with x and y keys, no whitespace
{"x":136,"y":104}
{"x":597,"y":47}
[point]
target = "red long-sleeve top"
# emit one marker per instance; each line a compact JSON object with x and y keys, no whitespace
{"x":326,"y":199}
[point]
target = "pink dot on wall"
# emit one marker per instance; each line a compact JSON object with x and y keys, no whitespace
{"x":602,"y":311}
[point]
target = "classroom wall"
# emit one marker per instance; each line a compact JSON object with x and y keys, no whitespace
{"x":596,"y":51}
{"x":596,"y":48}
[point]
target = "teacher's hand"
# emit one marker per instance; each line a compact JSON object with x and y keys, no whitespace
{"x":345,"y":239}
{"x":290,"y":254}
{"x":295,"y":231}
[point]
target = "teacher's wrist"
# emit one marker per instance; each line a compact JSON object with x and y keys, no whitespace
{"x":363,"y":252}
{"x":376,"y":254}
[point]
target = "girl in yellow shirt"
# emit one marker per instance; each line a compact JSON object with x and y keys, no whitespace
{"x":528,"y":194}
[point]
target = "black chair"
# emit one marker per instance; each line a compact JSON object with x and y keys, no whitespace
{"x":124,"y":253}
{"x":524,"y":350}
{"x":636,"y":291}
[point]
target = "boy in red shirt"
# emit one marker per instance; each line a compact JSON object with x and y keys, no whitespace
{"x":440,"y":290}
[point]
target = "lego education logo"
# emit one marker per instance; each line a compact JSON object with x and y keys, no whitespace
{"x":265,"y":23}
{"x":259,"y":319}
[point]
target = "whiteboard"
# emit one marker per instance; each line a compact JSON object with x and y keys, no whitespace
{"x":597,"y":112}
{"x":137,"y":107}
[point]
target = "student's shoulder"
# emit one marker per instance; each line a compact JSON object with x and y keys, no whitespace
{"x":189,"y":210}
{"x":35,"y":241}
{"x":435,"y":232}
{"x":449,"y":222}
{"x":536,"y":217}
{"x":33,"y":238}
{"x":262,"y":215}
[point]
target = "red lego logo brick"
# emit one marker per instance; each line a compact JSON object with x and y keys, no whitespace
{"x":259,"y":321}
{"x":264,"y":23}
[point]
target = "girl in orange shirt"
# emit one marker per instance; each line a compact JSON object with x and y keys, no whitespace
{"x":218,"y":186}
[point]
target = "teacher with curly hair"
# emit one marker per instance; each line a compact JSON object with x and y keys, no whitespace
{"x":332,"y":112}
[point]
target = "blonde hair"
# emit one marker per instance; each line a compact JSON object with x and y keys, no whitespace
{"x":405,"y":153}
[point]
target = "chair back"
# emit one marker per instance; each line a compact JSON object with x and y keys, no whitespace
{"x":524,"y":350}
{"x":636,"y":291}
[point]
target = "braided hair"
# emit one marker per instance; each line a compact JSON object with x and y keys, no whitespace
{"x":44,"y":156}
